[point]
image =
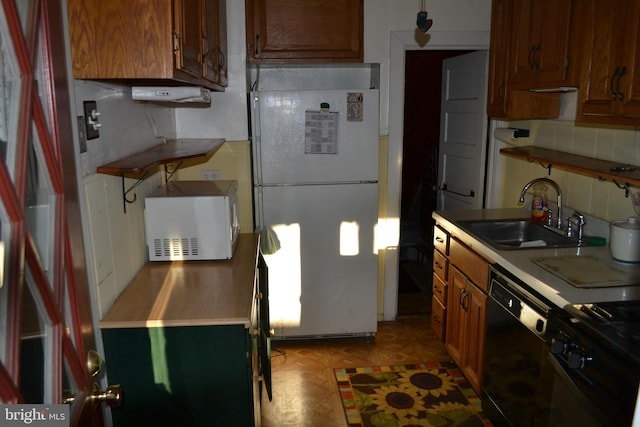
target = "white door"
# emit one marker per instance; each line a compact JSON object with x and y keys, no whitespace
{"x":463,"y":132}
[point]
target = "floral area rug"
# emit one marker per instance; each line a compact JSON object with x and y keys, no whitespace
{"x":433,"y":394}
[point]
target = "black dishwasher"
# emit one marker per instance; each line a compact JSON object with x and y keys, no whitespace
{"x":516,"y":345}
{"x":524,"y":385}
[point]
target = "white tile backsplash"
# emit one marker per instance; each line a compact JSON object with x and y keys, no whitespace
{"x":117,"y":239}
{"x":601,"y":200}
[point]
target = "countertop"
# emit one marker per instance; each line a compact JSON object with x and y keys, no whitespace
{"x":519,"y":262}
{"x":190,"y":293}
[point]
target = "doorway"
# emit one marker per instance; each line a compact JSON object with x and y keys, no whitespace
{"x":422,"y":95}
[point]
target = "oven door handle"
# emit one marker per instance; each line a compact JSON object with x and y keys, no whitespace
{"x":566,"y":378}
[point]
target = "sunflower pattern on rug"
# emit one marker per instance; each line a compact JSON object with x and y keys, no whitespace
{"x":433,"y":394}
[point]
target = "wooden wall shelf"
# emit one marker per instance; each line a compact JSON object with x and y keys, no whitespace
{"x":139,"y":165}
{"x":173,"y":150}
{"x":621,"y":174}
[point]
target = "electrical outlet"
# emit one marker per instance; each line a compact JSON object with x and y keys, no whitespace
{"x":91,"y":115}
{"x":210,"y":175}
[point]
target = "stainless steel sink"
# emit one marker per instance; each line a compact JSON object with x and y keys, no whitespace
{"x":516,"y":234}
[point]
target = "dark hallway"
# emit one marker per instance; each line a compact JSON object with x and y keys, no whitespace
{"x":423,"y":81}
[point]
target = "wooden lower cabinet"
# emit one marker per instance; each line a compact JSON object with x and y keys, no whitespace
{"x":466,"y":314}
{"x":182,"y":376}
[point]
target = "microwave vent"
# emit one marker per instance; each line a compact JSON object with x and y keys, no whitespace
{"x":176,"y":248}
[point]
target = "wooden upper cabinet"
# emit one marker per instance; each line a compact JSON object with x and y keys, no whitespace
{"x":281,"y":31}
{"x":502,"y":101}
{"x":610,"y":81}
{"x":215,"y":48}
{"x":541,"y":45}
{"x":145,"y":42}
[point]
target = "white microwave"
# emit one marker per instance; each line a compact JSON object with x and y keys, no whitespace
{"x":192,"y":220}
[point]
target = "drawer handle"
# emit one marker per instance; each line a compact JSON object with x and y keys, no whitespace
{"x":435,"y":318}
{"x":437,"y":289}
{"x":439,"y":240}
{"x":437,"y":264}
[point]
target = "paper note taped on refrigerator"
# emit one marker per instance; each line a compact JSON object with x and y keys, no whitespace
{"x":321,"y":132}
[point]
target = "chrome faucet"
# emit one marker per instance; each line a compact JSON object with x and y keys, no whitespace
{"x":558,"y":192}
{"x":576,"y":220}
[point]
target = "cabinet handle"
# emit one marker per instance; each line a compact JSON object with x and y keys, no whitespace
{"x":436,"y":319}
{"x":501,"y":92}
{"x":533,"y":64}
{"x":222,"y":59}
{"x":464,"y":299}
{"x":463,"y":292}
{"x":623,"y":71}
{"x":530,"y":57}
{"x":614,"y":95}
{"x":206,"y":47}
{"x":257,"y":50}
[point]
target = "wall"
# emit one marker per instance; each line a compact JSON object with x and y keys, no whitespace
{"x":115,"y":239}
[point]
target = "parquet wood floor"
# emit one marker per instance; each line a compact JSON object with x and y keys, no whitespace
{"x":305,"y":393}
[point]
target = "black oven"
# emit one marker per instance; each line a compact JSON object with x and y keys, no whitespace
{"x":542,"y":371}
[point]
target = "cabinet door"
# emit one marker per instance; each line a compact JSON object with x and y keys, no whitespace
{"x":300,"y":31}
{"x":456,"y":329}
{"x":190,"y":33}
{"x":498,"y":58}
{"x":121,"y":39}
{"x":472,"y":366}
{"x":606,"y":40}
{"x":210,"y":40}
{"x":189,"y":376}
{"x":540,"y":42}
{"x":215,"y":42}
{"x":630,"y":88}
{"x":221,"y":50}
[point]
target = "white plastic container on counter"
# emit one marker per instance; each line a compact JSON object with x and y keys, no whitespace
{"x":624,"y":240}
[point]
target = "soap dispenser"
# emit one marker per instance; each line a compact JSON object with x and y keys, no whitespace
{"x":539,"y":207}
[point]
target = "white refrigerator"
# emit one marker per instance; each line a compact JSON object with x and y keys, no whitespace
{"x":316,"y":189}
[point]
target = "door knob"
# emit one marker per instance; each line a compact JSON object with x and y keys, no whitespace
{"x":112,"y":396}
{"x":68,"y":397}
{"x":94,"y":363}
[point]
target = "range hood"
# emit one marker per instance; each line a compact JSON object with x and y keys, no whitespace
{"x":171,"y":94}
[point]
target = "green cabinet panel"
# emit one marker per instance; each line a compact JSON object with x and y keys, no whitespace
{"x":181,"y":376}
